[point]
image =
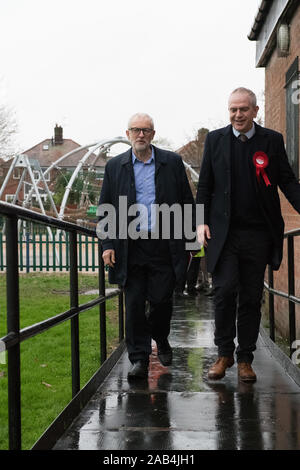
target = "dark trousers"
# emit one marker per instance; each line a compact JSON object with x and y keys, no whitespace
{"x":238,"y":286}
{"x":193,"y":273}
{"x":148,"y":296}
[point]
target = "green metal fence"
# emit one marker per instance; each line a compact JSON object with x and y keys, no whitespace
{"x":49,"y":251}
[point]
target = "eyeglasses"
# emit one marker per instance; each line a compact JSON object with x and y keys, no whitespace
{"x":138,"y":130}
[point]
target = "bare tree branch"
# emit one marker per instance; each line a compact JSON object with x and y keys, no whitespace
{"x":8,"y":129}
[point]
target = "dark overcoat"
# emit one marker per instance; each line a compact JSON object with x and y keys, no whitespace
{"x":171,"y":186}
{"x":214,"y":189}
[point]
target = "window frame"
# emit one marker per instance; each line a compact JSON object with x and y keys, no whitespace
{"x":292,"y":117}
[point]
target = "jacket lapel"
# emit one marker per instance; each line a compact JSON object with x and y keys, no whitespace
{"x":262,"y":145}
{"x":226,"y":145}
{"x":261,"y":140}
{"x":226,"y":149}
{"x":128,"y":167}
{"x":160,"y":161}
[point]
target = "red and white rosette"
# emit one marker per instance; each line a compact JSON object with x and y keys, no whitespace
{"x":261,"y":161}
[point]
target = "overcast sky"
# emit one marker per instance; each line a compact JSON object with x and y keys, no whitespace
{"x":89,"y":65}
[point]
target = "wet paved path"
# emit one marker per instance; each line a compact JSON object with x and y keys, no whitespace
{"x":179,"y":409}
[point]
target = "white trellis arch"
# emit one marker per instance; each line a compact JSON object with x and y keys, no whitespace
{"x":101,"y":146}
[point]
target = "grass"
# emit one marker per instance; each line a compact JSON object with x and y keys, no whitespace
{"x":46,"y":358}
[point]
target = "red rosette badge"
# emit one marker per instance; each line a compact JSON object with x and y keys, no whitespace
{"x":261,"y":161}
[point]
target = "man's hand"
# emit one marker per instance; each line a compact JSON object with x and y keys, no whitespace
{"x":108,"y":257}
{"x":203,"y":234}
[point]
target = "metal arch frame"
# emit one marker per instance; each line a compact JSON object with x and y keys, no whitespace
{"x":103,"y":146}
{"x":191,"y":170}
{"x":26,"y":163}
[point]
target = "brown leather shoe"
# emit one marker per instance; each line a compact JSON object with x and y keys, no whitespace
{"x":245,"y":372}
{"x":217,"y":370}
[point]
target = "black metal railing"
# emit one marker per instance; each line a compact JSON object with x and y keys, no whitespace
{"x":15,"y":336}
{"x":289,"y":296}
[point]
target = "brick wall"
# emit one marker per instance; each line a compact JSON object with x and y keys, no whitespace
{"x":275,"y":118}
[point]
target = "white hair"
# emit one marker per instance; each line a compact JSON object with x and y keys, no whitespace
{"x":140,"y":115}
{"x":250,"y":93}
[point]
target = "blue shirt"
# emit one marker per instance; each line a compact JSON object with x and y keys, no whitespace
{"x":144,"y":174}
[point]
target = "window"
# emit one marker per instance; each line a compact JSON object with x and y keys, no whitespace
{"x":17,"y":173}
{"x":292,"y":116}
{"x":43,"y":197}
{"x":36,"y":174}
{"x":27,"y":189}
{"x":9,"y":197}
{"x":99,"y":175}
{"x":47,"y":176}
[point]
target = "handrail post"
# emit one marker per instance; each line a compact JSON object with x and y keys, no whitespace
{"x":74,"y":320}
{"x":27,"y":238}
{"x":121,"y":315}
{"x":13,"y":326}
{"x":271,"y":305}
{"x":291,"y":290}
{"x":102,"y":307}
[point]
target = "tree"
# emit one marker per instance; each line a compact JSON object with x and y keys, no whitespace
{"x":163,"y":143}
{"x":8,"y":129}
{"x":85,"y":181}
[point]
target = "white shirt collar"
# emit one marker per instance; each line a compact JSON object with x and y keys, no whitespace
{"x":249,"y":134}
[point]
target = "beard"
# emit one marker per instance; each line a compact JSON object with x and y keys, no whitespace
{"x":140,"y":146}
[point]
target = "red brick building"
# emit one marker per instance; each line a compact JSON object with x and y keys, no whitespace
{"x":192,"y":153}
{"x":276,"y":30}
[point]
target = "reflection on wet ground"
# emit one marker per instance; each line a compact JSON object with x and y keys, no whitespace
{"x":177,"y":408}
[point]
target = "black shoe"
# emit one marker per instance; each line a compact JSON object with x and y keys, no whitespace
{"x":139,"y":370}
{"x":209,"y":292}
{"x":164,"y":353}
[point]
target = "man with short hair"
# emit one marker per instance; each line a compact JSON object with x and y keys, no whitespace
{"x":148,"y":266}
{"x":243,"y":165}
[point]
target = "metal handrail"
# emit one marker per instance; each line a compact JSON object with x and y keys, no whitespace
{"x":290,"y":295}
{"x":15,"y":335}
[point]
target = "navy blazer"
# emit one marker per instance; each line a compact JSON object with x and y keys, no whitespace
{"x":171,"y":186}
{"x":214,"y":189}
